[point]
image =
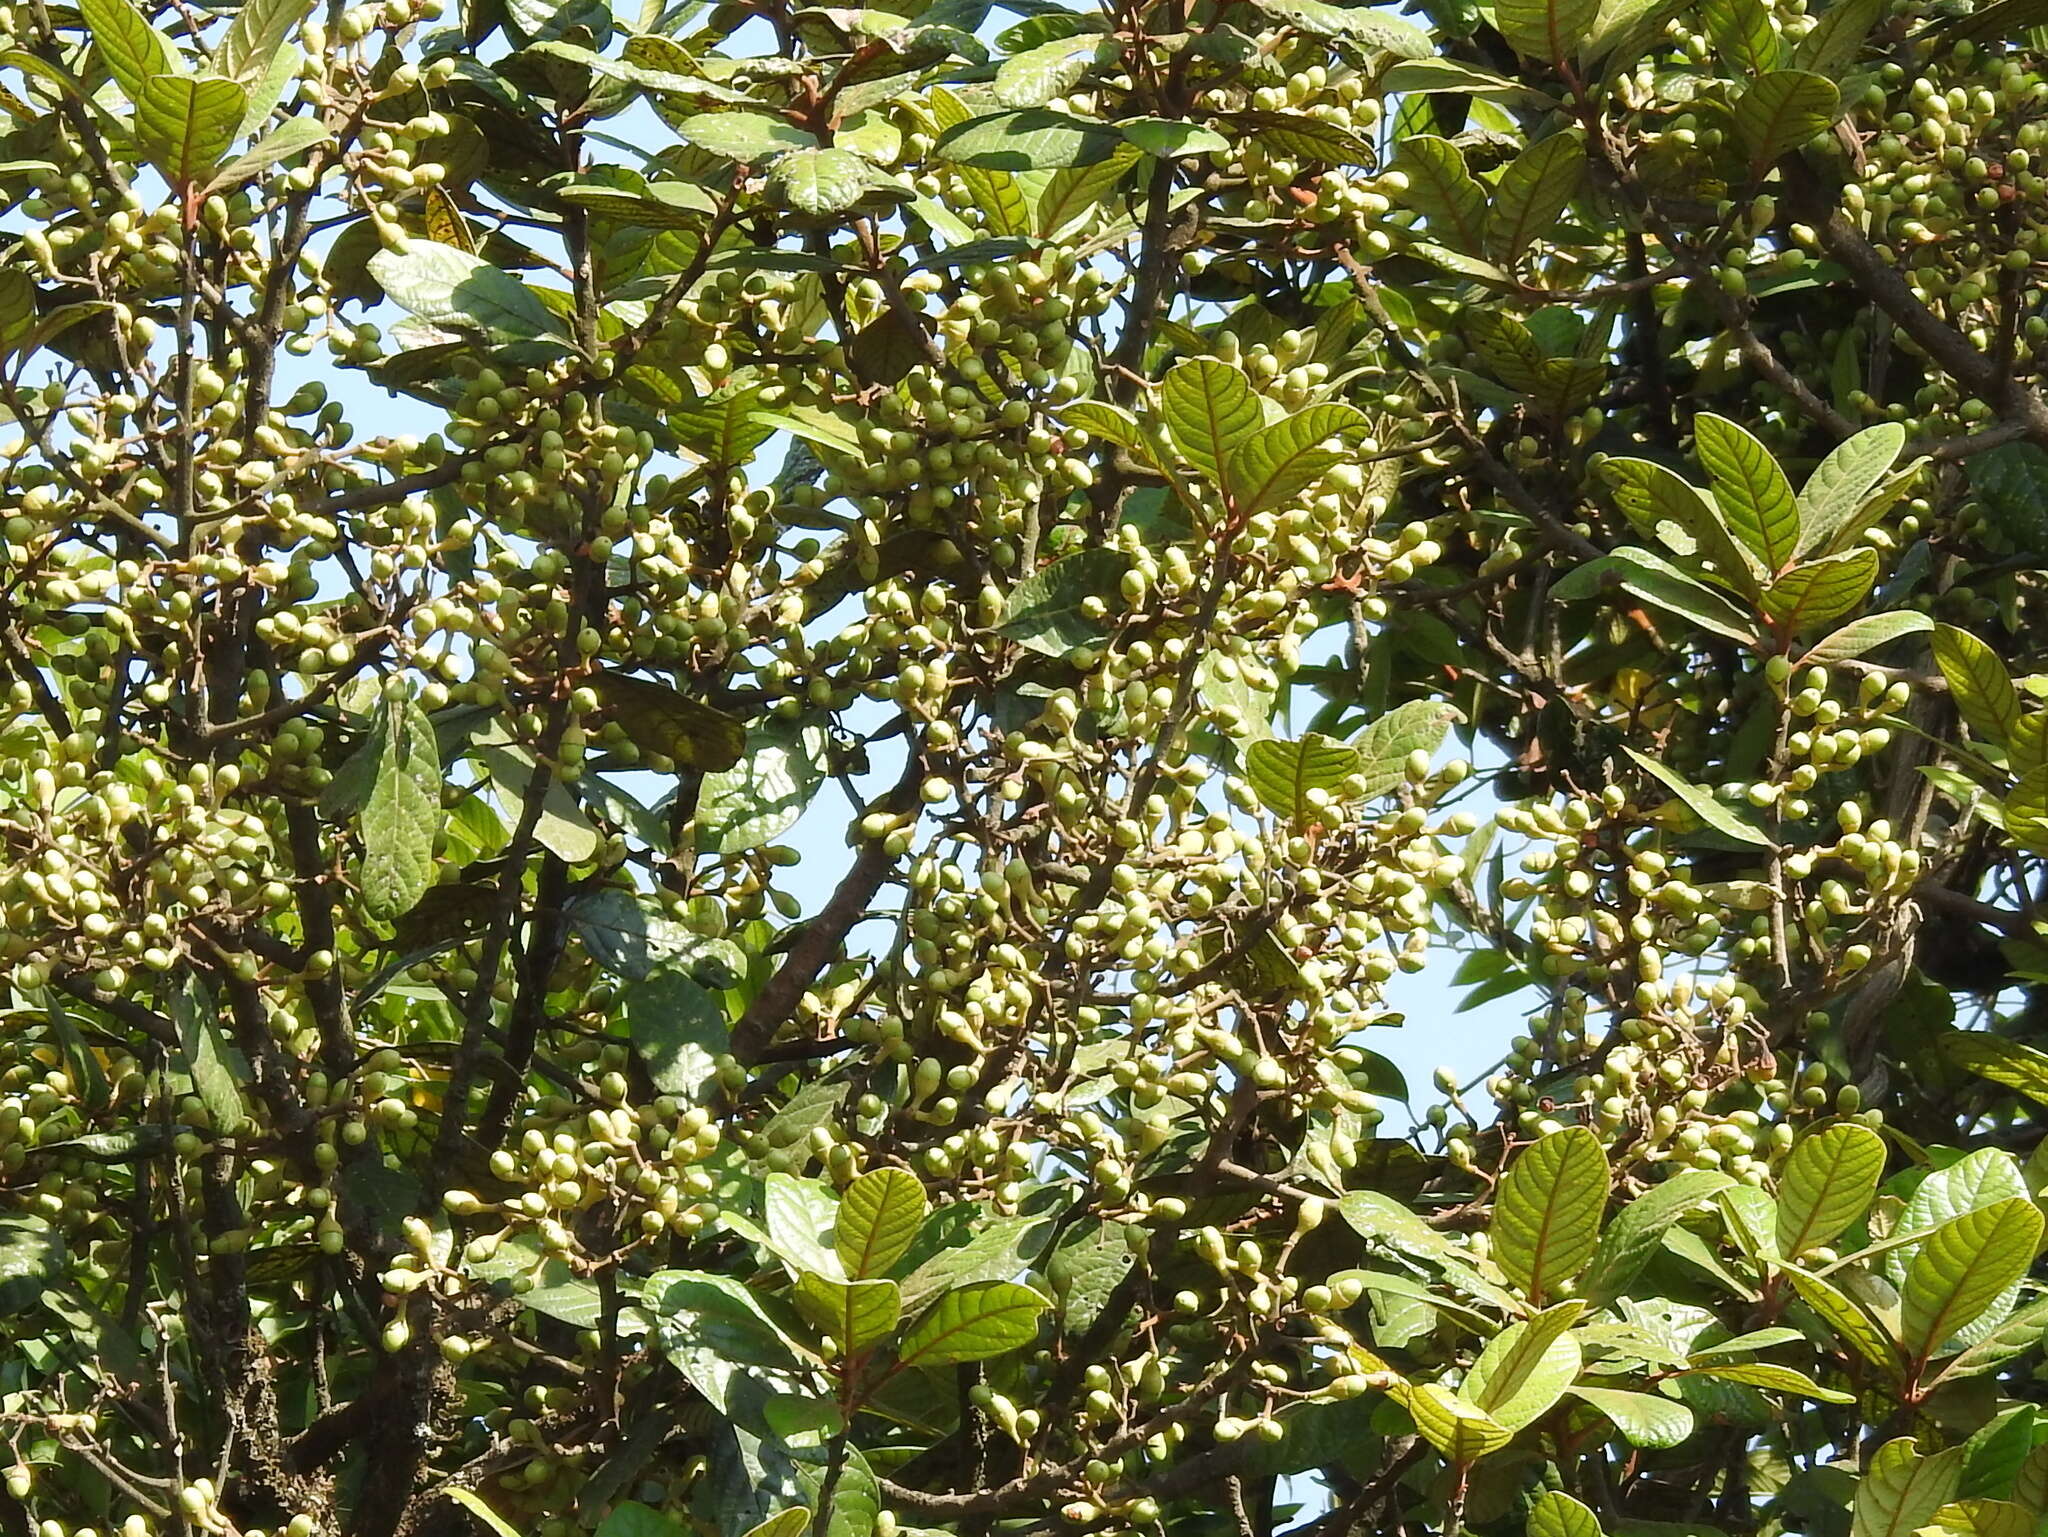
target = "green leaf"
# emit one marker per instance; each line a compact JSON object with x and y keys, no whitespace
{"x":1624,"y":31}
{"x":1978,"y":682}
{"x":972,"y":1323}
{"x":563,"y":829}
{"x":255,"y":36}
{"x":1452,"y":1423}
{"x":1754,"y":496}
{"x":1775,"y":1379}
{"x":752,"y":138}
{"x":1303,"y":781}
{"x":1275,"y":464}
{"x":1546,"y":1214}
{"x":1743,"y":36}
{"x":2009,"y":1062}
{"x":1782,"y":110}
{"x":17,"y":308}
{"x":130,"y":48}
{"x":473,"y":1502}
{"x":630,"y":1518}
{"x":1074,"y":198}
{"x":793,"y":1522}
{"x":678,"y":1030}
{"x":1962,"y":1267}
{"x":402,"y":815}
{"x":32,"y":1260}
{"x":2026,"y":808}
{"x":1027,"y":139}
{"x":1994,"y":1346}
{"x":1526,"y":1367}
{"x":820,"y":181}
{"x":1427,"y":76}
{"x":1827,"y":1184}
{"x":1643,"y":1419}
{"x":879,"y":1214}
{"x":1657,"y":581}
{"x":186,"y":125}
{"x":763,"y":795}
{"x":2011,"y":481}
{"x":660,"y":719}
{"x":1845,"y":1316}
{"x":1638,"y":1229}
{"x":1975,"y":1180}
{"x":801,"y":1218}
{"x":1171,"y":138}
{"x":1981,"y":1518}
{"x":1866,"y":634}
{"x":1992,"y":1457}
{"x":998,"y":1251}
{"x":1054,"y":609}
{"x":1838,"y":37}
{"x":1442,"y":190}
{"x":1210,"y":411}
{"x":1842,"y":482}
{"x":1552,"y":1514}
{"x":287,"y":141}
{"x":1085,"y":1270}
{"x":1658,"y":501}
{"x":1037,"y":75}
{"x":1367,"y":24}
{"x":1903,"y":1490}
{"x":1818,"y":591}
{"x":1699,"y":801}
{"x":1546,"y":30}
{"x":1388,"y":741}
{"x":454,"y":290}
{"x":855,"y":1313}
{"x":856,"y":1498}
{"x":1533,"y":192}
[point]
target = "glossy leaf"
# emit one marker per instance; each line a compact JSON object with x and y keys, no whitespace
{"x":187,"y":125}
{"x":1637,"y":1232}
{"x":1546,"y":1214}
{"x":879,"y":1214}
{"x":1903,"y":1489}
{"x":1549,"y":30}
{"x":1781,"y":111}
{"x":1063,"y":606}
{"x":1442,"y":190}
{"x":973,"y":1323}
{"x":1978,"y":683}
{"x":1644,"y":1419}
{"x":402,"y":815}
{"x":1453,"y":1424}
{"x":1842,"y":482}
{"x":1827,"y":1184}
{"x":1538,"y":185}
{"x":1028,"y":139}
{"x":1210,"y":412}
{"x":1526,"y":1367}
{"x":1754,"y":496}
{"x":1962,"y":1267}
{"x":855,"y":1313}
{"x":454,"y":290}
{"x":1700,"y":802}
{"x":1303,"y":781}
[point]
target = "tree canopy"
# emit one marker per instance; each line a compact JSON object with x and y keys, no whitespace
{"x":1226,"y":503}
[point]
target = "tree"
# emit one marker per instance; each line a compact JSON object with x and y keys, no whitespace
{"x":1129,"y":466}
